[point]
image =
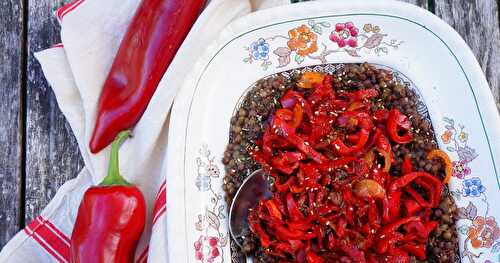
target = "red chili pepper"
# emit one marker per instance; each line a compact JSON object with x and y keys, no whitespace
{"x":110,"y":218}
{"x":397,"y":121}
{"x":149,"y":45}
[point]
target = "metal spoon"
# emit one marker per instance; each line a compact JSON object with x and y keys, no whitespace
{"x":256,"y":187}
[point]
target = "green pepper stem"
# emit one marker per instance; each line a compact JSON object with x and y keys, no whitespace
{"x":114,"y":177}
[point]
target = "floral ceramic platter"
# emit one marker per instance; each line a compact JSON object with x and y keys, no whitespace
{"x":394,"y":34}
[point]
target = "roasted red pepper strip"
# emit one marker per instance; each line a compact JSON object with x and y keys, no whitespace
{"x":149,"y":45}
{"x":411,"y":207}
{"x":313,"y":258}
{"x":287,"y":162}
{"x":395,"y":122}
{"x":284,"y":187}
{"x":407,"y":166}
{"x":110,"y":218}
{"x":293,"y":210}
{"x":273,"y":209}
{"x":392,"y":227}
{"x":427,"y":181}
{"x":306,"y":148}
{"x":347,"y":150}
{"x":353,"y":252}
{"x":394,"y":205}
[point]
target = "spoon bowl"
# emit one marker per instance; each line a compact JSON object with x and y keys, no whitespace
{"x":255,"y":187}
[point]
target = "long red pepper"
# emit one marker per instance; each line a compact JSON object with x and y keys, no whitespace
{"x":110,"y":218}
{"x":151,"y":42}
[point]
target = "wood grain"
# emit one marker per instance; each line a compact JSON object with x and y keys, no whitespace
{"x":421,"y":3}
{"x":477,"y":22}
{"x":52,"y":155}
{"x":11,"y":29}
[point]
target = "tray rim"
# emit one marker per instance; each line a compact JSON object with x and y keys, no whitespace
{"x":483,"y":94}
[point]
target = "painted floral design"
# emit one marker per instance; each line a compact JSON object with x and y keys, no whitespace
{"x":473,"y":187}
{"x":480,"y":230}
{"x":483,"y":232}
{"x":308,"y":41}
{"x":302,"y":40}
{"x":203,"y":183}
{"x":260,"y":49}
{"x":209,"y":246}
{"x":446,"y":136}
{"x":345,"y":34}
{"x":460,"y":169}
{"x":206,"y":249}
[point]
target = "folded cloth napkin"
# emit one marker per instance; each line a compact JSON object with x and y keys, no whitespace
{"x":91,"y":31}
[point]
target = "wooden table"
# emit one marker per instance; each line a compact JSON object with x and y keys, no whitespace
{"x":39,"y":152}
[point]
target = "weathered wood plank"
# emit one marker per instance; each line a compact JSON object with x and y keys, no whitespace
{"x":11,"y":30}
{"x":421,"y":3}
{"x":477,"y":22}
{"x":52,"y":155}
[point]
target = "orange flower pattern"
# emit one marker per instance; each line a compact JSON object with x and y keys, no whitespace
{"x":446,"y":136}
{"x":302,"y":40}
{"x":483,"y":232}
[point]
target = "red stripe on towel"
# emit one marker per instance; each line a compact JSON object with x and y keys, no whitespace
{"x":49,"y":238}
{"x":61,"y":12}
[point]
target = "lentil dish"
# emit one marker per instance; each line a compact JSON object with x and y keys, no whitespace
{"x":357,"y":174}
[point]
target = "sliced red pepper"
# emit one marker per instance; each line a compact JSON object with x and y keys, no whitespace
{"x":313,"y":257}
{"x":394,"y":203}
{"x":285,"y":234}
{"x":306,"y":148}
{"x":255,"y":227}
{"x":407,"y":166}
{"x":284,"y":187}
{"x":427,"y":181}
{"x":273,"y":209}
{"x":392,"y":227}
{"x":347,"y":150}
{"x":298,"y":115}
{"x":387,"y":241}
{"x":411,"y":207}
{"x":380,"y":115}
{"x":396,"y":122}
{"x":293,"y":210}
{"x":287,"y":162}
{"x":365,"y":94}
{"x":353,"y":252}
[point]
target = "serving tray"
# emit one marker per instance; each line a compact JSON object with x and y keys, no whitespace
{"x":397,"y":35}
